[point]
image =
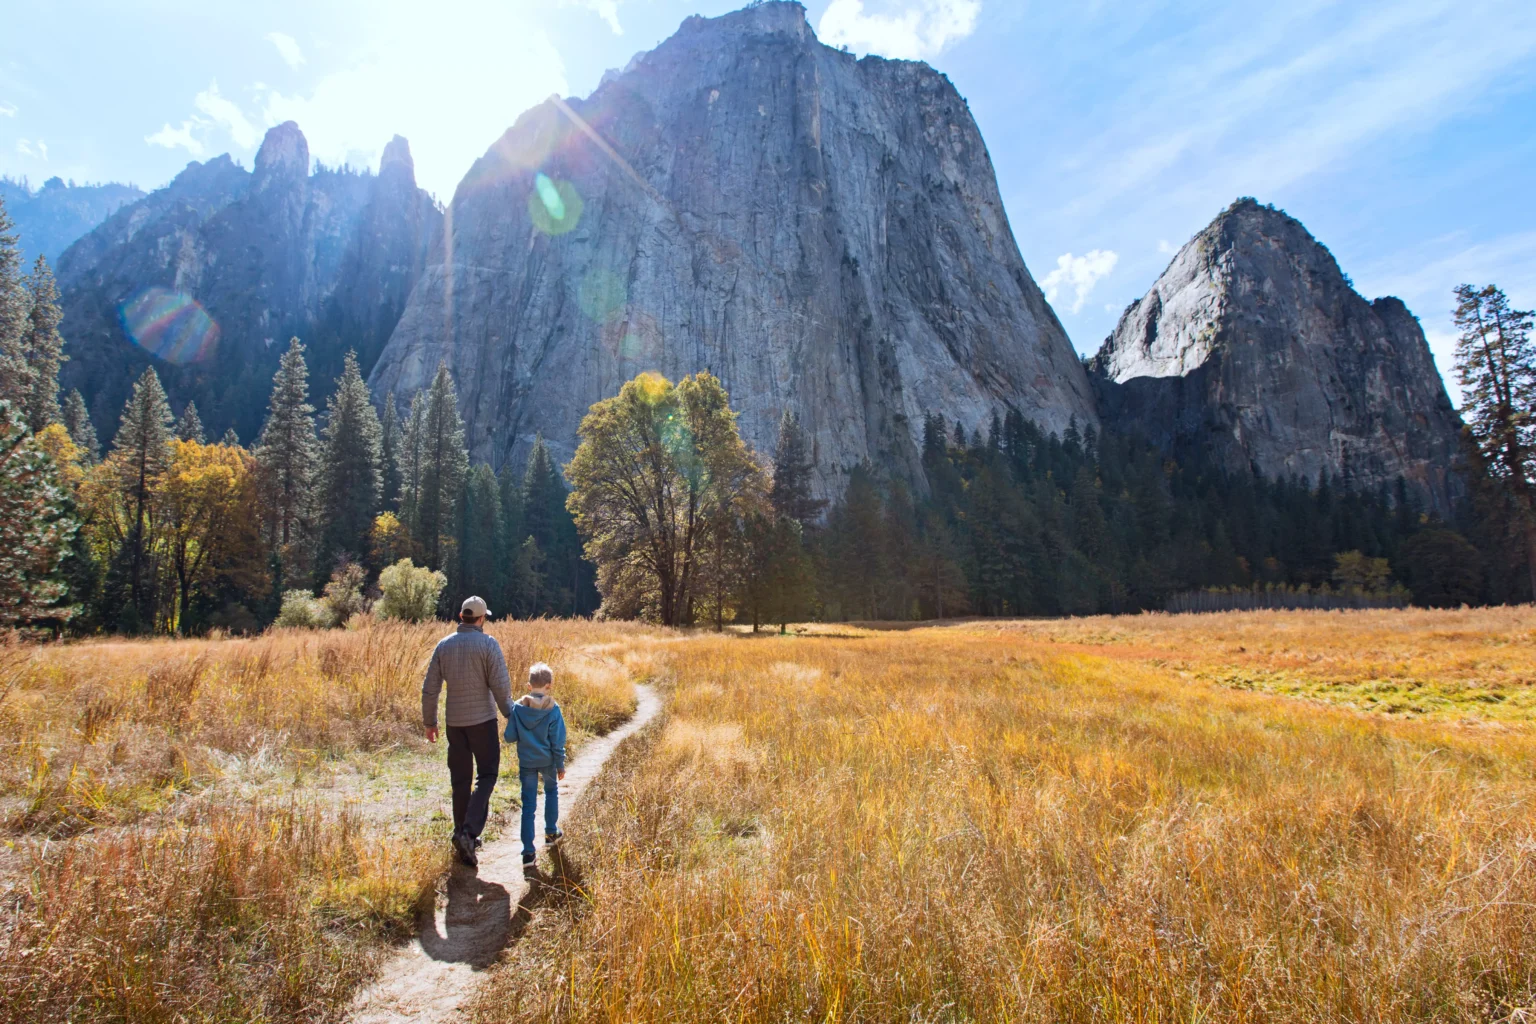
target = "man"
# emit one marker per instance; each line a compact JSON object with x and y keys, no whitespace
{"x":476,"y":673}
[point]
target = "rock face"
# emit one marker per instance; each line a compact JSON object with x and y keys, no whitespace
{"x":1254,"y":350}
{"x":822,"y":233}
{"x":51,"y":218}
{"x":208,"y":278}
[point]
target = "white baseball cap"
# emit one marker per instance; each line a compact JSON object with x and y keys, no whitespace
{"x":476,"y":608}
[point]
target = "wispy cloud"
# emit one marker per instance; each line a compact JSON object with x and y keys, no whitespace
{"x":8,"y":110}
{"x":223,"y":113}
{"x":608,"y":10}
{"x":1166,"y":247}
{"x":214,"y":112}
{"x":35,"y":148}
{"x":287,"y":48}
{"x":908,"y":29}
{"x":177,"y":138}
{"x":1080,"y":273}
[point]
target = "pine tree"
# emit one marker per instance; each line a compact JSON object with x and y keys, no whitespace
{"x":444,"y":462}
{"x":391,"y":438}
{"x":44,"y":348}
{"x":77,"y":420}
{"x":35,"y":527}
{"x":509,"y":486}
{"x":480,"y":537}
{"x":350,"y":470}
{"x":1496,"y":364}
{"x":140,"y":453}
{"x":793,"y":465}
{"x":15,"y":310}
{"x":190,"y":426}
{"x":230,"y":438}
{"x":410,"y":463}
{"x":286,"y":452}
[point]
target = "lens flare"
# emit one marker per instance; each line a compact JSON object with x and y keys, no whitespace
{"x":170,"y":325}
{"x":554,"y":206}
{"x":602,"y":296}
{"x":634,"y":340}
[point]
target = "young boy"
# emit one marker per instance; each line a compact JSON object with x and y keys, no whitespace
{"x":539,"y":730}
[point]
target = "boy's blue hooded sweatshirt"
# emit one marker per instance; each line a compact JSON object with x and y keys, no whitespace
{"x":538,"y":728}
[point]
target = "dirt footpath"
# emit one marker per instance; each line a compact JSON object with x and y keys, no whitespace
{"x":434,"y":975}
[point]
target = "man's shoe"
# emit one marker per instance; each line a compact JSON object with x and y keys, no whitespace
{"x":553,"y":838}
{"x":529,"y":860}
{"x":464,"y":844}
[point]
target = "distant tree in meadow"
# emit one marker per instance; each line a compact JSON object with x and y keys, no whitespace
{"x":189,"y":427}
{"x":660,"y":467}
{"x":42,"y":347}
{"x":1496,"y":365}
{"x":141,"y":451}
{"x":78,"y":422}
{"x":287,"y":452}
{"x":351,"y":469}
{"x":35,"y":527}
{"x":15,"y":311}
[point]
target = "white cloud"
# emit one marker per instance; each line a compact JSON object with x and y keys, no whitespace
{"x":1080,"y":273}
{"x":450,"y":92}
{"x":287,"y":48}
{"x":907,"y":29}
{"x":224,"y":114}
{"x":7,"y":110}
{"x":35,"y":148}
{"x":608,"y":10}
{"x":1166,"y":247}
{"x":214,"y":111}
{"x":177,"y":138}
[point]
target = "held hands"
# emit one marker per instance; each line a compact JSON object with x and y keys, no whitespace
{"x":431,"y":734}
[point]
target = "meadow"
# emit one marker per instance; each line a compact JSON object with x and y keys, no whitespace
{"x":231,"y":829}
{"x":1250,"y":817}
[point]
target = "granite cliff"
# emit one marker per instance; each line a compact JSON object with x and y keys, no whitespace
{"x":821,"y":232}
{"x":1254,"y":350}
{"x":208,"y":277}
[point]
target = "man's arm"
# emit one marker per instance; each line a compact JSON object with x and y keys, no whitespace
{"x":431,"y":686}
{"x":557,"y":741}
{"x":500,"y":683}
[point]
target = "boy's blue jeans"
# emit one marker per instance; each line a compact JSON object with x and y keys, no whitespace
{"x":530,"y":780}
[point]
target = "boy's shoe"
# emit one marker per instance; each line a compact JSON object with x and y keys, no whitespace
{"x":464,"y":845}
{"x":529,"y":860}
{"x":553,"y":838}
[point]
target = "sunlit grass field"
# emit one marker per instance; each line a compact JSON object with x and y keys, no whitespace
{"x":1265,"y":817}
{"x":1106,"y":819}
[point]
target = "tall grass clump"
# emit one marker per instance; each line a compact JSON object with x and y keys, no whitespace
{"x":233,"y":913}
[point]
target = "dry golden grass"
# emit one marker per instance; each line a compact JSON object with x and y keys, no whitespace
{"x":148,"y":878}
{"x":1057,"y":821}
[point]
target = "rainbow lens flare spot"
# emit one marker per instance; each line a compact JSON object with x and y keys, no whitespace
{"x":170,"y":325}
{"x":554,"y":206}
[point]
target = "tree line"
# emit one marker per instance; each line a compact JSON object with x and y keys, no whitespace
{"x":671,"y":516}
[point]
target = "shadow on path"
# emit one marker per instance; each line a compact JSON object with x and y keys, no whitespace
{"x":479,"y":920}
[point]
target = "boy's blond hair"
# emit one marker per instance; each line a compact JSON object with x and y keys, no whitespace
{"x":540,"y":675}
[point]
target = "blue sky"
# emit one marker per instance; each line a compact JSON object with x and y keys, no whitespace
{"x":1403,"y":134}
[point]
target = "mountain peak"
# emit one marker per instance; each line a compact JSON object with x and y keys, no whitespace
{"x":284,"y":152}
{"x":397,"y":160}
{"x":1253,"y":349}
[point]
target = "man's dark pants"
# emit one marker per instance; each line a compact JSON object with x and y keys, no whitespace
{"x":474,"y":755}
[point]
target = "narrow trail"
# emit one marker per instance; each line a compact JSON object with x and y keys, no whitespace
{"x":433,"y":976}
